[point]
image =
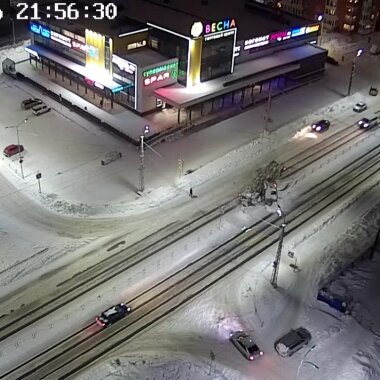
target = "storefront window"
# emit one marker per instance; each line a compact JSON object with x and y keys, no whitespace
{"x":171,"y":46}
{"x":217,"y":57}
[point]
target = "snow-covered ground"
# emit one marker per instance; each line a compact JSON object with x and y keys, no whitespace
{"x":193,"y":343}
{"x":67,"y":151}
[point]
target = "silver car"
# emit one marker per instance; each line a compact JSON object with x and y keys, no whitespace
{"x":293,"y":341}
{"x":40,"y":109}
{"x":360,"y":107}
{"x":246,"y":345}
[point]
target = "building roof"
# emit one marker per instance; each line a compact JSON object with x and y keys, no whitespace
{"x":119,"y":25}
{"x":245,"y":74}
{"x":143,"y":57}
{"x":178,"y":15}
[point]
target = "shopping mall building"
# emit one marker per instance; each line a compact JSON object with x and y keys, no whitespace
{"x":158,"y":56}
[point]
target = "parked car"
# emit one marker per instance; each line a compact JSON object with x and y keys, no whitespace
{"x":30,"y":103}
{"x":113,"y":314}
{"x":373,"y":91}
{"x":360,"y":107}
{"x":246,"y":345}
{"x":321,"y":126}
{"x":13,"y":149}
{"x":110,"y":157}
{"x":293,"y":341}
{"x":40,"y":109}
{"x":366,"y":123}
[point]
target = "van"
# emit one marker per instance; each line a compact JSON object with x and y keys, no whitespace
{"x":40,"y":109}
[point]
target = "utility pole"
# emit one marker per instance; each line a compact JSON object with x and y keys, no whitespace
{"x":13,"y":31}
{"x":320,"y":18}
{"x":142,"y":155}
{"x":20,"y":158}
{"x":276,"y":263}
{"x":267,"y":110}
{"x":358,"y":54}
{"x":181,"y":161}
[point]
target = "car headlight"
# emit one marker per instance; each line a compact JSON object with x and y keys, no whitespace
{"x":251,"y":358}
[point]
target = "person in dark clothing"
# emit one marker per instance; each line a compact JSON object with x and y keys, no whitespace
{"x":191,"y":192}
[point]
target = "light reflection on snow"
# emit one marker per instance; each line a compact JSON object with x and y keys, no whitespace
{"x":228,"y":325}
{"x":305,"y":133}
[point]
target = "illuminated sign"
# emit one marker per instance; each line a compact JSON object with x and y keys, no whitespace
{"x":196,"y":29}
{"x":298,"y":32}
{"x":311,"y":29}
{"x":215,"y":36}
{"x":118,"y":89}
{"x":64,"y":40}
{"x":124,"y":65}
{"x":280,"y":36}
{"x":159,"y":69}
{"x":39,"y":29}
{"x":256,"y":42}
{"x":158,"y":78}
{"x":219,"y":26}
{"x":92,"y":51}
{"x":79,"y":46}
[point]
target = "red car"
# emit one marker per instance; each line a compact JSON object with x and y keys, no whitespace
{"x":13,"y":149}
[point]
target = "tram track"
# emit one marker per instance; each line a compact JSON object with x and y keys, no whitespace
{"x":69,"y":356}
{"x":108,"y":268}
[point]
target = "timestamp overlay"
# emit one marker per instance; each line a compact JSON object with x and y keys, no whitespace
{"x":66,"y":11}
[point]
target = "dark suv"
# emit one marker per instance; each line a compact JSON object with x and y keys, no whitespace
{"x":113,"y":314}
{"x":30,"y":103}
{"x":321,"y":126}
{"x":293,"y":341}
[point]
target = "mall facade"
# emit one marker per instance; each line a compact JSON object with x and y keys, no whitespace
{"x":176,"y":60}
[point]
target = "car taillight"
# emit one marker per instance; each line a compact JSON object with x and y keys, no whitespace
{"x":99,"y":322}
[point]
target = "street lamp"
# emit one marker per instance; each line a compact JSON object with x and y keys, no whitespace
{"x":303,"y":361}
{"x":20,"y":159}
{"x":320,"y":19}
{"x":142,"y":166}
{"x":359,"y":52}
{"x":13,"y":31}
{"x":276,"y":263}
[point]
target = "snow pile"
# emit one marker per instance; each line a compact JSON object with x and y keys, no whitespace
{"x":151,"y":198}
{"x":149,"y":365}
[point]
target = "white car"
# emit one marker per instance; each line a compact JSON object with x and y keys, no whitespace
{"x":40,"y":109}
{"x":360,"y":107}
{"x":246,"y":345}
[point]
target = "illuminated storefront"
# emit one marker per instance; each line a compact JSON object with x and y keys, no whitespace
{"x":116,"y":65}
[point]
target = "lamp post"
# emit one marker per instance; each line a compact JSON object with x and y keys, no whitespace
{"x":303,"y":361}
{"x":320,"y":18}
{"x":142,"y":166}
{"x":359,"y":52}
{"x":276,"y":263}
{"x":13,"y":31}
{"x":20,"y":159}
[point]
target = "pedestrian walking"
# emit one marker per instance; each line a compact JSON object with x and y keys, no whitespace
{"x":191,"y":192}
